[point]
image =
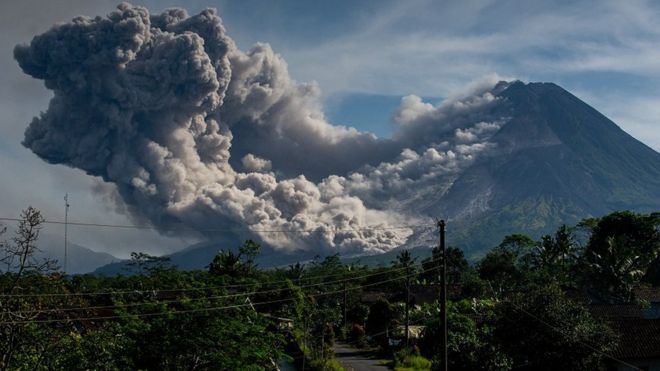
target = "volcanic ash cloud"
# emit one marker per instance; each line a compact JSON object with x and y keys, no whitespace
{"x":192,"y":131}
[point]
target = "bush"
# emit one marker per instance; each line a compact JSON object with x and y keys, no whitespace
{"x":406,"y":360}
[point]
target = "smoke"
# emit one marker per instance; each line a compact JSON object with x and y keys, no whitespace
{"x":193,"y":132}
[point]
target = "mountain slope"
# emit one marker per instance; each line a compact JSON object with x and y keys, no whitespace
{"x":556,"y":160}
{"x":80,"y":259}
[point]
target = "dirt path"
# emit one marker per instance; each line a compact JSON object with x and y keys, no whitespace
{"x":356,"y":359}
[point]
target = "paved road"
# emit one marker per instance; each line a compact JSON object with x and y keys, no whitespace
{"x":356,"y":359}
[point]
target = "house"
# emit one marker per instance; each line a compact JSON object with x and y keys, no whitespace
{"x":639,"y":343}
{"x":638,"y":328}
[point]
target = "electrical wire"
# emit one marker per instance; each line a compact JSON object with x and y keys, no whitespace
{"x":560,"y":331}
{"x":227,"y":230}
{"x":585,"y":344}
{"x":207,"y":309}
{"x":156,"y":291}
{"x":235,"y":295}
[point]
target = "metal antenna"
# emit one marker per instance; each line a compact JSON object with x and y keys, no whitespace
{"x":66,"y":222}
{"x":443,"y":294}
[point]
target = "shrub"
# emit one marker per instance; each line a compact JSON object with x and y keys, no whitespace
{"x":406,"y":360}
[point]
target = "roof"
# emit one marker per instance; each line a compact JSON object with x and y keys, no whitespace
{"x":648,"y":294}
{"x":414,"y":331}
{"x":618,"y":311}
{"x":639,"y":338}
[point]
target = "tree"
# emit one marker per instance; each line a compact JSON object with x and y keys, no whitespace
{"x":457,"y":265}
{"x":505,"y":266}
{"x":542,"y":329}
{"x":554,"y":258}
{"x":471,"y":345}
{"x":295,"y":271}
{"x":204,"y":340}
{"x":622,"y":250}
{"x":20,"y":257}
{"x":379,"y":319}
{"x":144,"y":263}
{"x":22,"y":343}
{"x":241,"y":264}
{"x":555,"y":250}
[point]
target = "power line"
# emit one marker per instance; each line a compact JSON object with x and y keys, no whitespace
{"x":207,"y":297}
{"x":236,"y":306}
{"x":66,"y":224}
{"x":227,"y":230}
{"x":94,"y":318}
{"x":587,"y":345}
{"x":561,"y":332}
{"x":156,"y":291}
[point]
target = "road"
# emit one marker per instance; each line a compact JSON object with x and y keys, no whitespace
{"x":356,"y":359}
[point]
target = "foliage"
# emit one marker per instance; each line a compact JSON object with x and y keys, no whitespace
{"x":471,"y":345}
{"x":240,"y":264}
{"x":559,"y":333}
{"x":508,"y":311}
{"x":145,"y":263}
{"x":406,"y":360}
{"x":327,"y":365}
{"x":457,"y":266}
{"x":623,"y":249}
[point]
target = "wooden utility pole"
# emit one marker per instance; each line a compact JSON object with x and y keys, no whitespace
{"x":443,"y":294}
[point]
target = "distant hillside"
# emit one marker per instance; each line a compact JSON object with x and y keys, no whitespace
{"x":80,"y":259}
{"x":200,"y":255}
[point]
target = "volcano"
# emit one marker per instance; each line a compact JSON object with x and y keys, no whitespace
{"x":556,"y":161}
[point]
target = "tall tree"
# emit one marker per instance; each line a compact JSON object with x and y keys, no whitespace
{"x":19,"y":339}
{"x":555,"y":257}
{"x":542,"y":329}
{"x":621,"y":249}
{"x":240,"y":264}
{"x":505,"y":267}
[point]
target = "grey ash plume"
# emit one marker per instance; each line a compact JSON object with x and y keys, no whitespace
{"x":194,"y":132}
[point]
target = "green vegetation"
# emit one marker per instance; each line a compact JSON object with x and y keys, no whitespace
{"x":405,"y":360}
{"x":511,"y":310}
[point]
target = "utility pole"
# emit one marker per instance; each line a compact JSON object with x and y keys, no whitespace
{"x":66,"y":227}
{"x":407,"y":303}
{"x":345,"y":302}
{"x":304,"y":344}
{"x":443,"y":294}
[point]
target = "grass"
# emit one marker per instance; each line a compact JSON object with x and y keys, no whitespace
{"x":413,"y":363}
{"x":332,"y":365}
{"x":386,"y":362}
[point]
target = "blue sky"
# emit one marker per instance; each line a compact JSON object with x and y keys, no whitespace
{"x":605,"y":52}
{"x":364,"y":55}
